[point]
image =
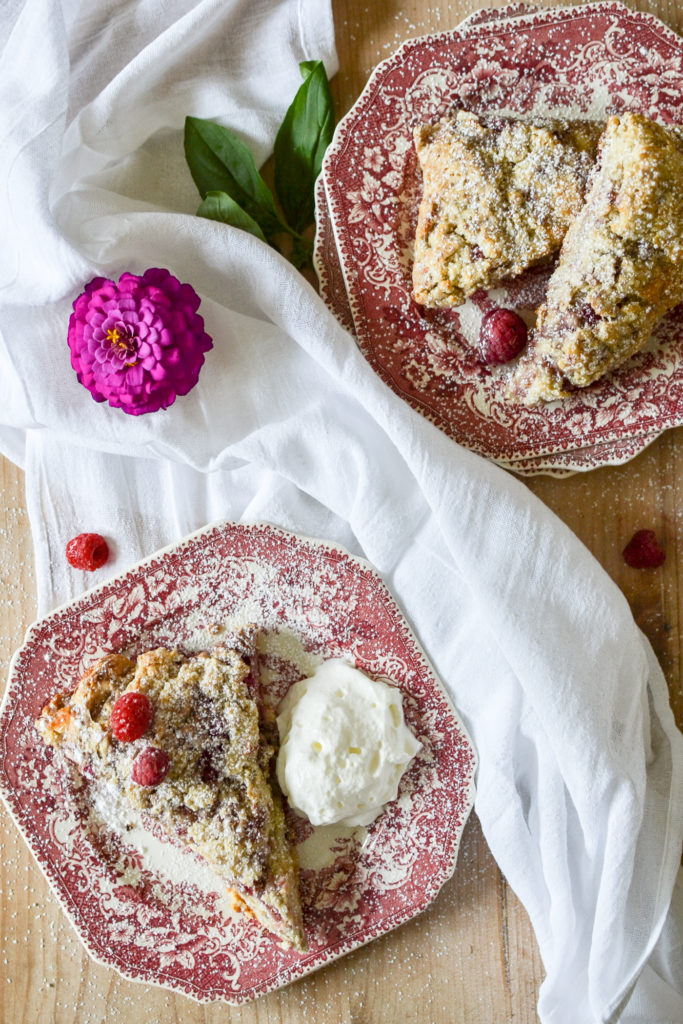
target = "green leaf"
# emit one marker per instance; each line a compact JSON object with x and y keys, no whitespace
{"x":302,"y":253}
{"x":306,"y":67}
{"x":220,"y":162}
{"x":220,"y":206}
{"x":300,"y":145}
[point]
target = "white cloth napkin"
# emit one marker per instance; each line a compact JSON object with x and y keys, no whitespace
{"x":581,"y":765}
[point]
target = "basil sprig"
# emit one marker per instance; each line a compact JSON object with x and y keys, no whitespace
{"x":231,"y":187}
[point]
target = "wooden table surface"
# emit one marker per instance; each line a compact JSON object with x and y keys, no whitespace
{"x":472,"y":956}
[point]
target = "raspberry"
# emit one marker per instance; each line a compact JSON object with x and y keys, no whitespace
{"x":150,"y":767}
{"x":87,"y":551}
{"x":131,"y":716}
{"x":643,"y":551}
{"x":502,"y":336}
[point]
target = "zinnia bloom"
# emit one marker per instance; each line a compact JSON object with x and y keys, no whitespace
{"x":139,"y":343}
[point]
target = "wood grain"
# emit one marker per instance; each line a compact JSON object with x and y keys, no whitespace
{"x":472,"y":956}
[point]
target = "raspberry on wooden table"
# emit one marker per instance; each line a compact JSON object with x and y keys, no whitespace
{"x":131,"y":716}
{"x":502,"y":336}
{"x":150,"y":767}
{"x":87,"y":551}
{"x":643,"y":551}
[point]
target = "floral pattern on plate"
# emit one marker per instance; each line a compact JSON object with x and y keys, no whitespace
{"x":579,"y":61}
{"x":163,"y":919}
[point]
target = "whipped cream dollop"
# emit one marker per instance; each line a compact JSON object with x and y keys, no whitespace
{"x":343,"y":745}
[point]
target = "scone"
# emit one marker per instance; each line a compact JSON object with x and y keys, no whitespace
{"x":498,"y":197}
{"x":201,"y":767}
{"x":620,"y":268}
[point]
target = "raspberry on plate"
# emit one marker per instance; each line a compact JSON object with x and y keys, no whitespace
{"x":87,"y":551}
{"x":150,"y":767}
{"x":643,"y":551}
{"x":502,"y":336}
{"x":131,"y":716}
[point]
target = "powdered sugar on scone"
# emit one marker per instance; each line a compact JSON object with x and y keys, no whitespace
{"x":216,"y":792}
{"x":498,"y":196}
{"x":621,"y":265}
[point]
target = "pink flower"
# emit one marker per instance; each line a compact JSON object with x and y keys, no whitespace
{"x":139,"y":343}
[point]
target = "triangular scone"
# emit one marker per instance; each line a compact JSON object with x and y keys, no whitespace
{"x":219,"y":795}
{"x":620,"y":268}
{"x":498,"y":197}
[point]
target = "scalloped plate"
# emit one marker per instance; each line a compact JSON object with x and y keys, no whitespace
{"x":159,"y":920}
{"x":581,"y":61}
{"x":333,"y":291}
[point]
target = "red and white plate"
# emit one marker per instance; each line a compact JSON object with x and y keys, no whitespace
{"x":585,"y":61}
{"x":171,"y":927}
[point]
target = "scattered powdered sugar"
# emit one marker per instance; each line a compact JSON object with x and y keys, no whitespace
{"x":591,"y":103}
{"x":319,"y":849}
{"x":195,"y":596}
{"x":310,"y":601}
{"x":287,"y":646}
{"x":196,"y":617}
{"x":174,"y":862}
{"x":569,"y":65}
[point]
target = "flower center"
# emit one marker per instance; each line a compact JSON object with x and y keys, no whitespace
{"x":124,"y":341}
